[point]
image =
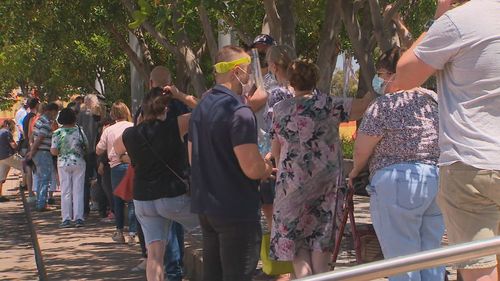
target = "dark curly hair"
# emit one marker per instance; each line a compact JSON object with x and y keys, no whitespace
{"x":67,"y":116}
{"x":389,"y":60}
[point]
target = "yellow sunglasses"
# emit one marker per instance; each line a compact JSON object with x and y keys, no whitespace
{"x":224,"y":67}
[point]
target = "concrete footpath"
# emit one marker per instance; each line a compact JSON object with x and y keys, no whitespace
{"x":17,"y":260}
{"x":89,"y":253}
{"x":86,"y":253}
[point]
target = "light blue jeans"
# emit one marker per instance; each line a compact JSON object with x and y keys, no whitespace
{"x":405,"y":215}
{"x":44,"y":165}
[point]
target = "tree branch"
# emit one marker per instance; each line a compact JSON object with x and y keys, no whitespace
{"x":393,"y":11}
{"x":378,"y":27}
{"x":160,"y":38}
{"x":132,"y":56}
{"x":327,"y":44}
{"x":273,"y":19}
{"x":247,"y":39}
{"x":144,"y":48}
{"x":359,"y":42}
{"x":211,"y":42}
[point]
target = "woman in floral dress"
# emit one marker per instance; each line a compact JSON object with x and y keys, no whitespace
{"x":307,"y":149}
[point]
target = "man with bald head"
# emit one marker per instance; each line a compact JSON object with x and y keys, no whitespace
{"x":226,"y":167}
{"x":160,"y":77}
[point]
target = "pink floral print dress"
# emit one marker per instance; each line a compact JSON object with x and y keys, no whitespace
{"x":309,"y":170}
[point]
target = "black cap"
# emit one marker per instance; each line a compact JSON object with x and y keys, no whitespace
{"x":263,"y":39}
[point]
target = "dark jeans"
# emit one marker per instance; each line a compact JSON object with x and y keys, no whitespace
{"x":174,"y":253}
{"x":117,"y":174}
{"x":230,"y":248}
{"x":105,"y":194}
{"x":90,"y":172}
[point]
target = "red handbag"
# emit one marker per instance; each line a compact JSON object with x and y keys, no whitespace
{"x":125,"y":190}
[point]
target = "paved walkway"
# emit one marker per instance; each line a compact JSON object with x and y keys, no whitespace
{"x":17,"y":260}
{"x":88,"y":253}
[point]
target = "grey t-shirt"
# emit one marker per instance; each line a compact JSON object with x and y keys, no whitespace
{"x":464,"y":46}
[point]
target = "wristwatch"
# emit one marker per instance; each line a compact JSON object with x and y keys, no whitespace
{"x":428,"y":25}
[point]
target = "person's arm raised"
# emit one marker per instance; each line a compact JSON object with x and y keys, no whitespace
{"x":411,"y":71}
{"x":359,"y":106}
{"x":188,"y":100}
{"x":257,"y":100}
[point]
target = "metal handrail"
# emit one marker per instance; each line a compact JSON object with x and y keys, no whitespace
{"x":422,"y":260}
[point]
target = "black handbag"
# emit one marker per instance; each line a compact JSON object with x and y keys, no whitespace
{"x":85,"y":149}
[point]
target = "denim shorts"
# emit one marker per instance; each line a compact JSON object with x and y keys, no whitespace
{"x":155,"y":216}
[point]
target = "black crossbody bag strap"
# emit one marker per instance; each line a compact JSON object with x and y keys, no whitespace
{"x":165,"y":163}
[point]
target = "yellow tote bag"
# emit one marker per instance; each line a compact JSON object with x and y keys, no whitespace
{"x":272,"y":267}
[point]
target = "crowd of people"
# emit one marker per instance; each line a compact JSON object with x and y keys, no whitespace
{"x":245,"y":147}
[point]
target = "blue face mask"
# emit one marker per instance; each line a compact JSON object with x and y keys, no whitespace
{"x":379,"y":85}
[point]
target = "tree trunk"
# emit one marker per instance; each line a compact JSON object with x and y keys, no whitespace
{"x":359,"y":43}
{"x":328,"y":51}
{"x":145,"y":49}
{"x":197,"y":78}
{"x":379,"y":29}
{"x":273,"y":19}
{"x":208,"y":31}
{"x":288,"y":22}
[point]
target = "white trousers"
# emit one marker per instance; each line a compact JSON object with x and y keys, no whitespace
{"x":71,"y":180}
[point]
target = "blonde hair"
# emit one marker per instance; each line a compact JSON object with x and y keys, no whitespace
{"x":281,"y":55}
{"x":230,"y":53}
{"x":90,"y":102}
{"x":120,"y":111}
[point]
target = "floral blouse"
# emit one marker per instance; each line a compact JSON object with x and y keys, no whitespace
{"x":71,"y":143}
{"x":408,"y":123}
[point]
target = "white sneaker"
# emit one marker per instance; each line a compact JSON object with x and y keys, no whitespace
{"x":131,"y":239}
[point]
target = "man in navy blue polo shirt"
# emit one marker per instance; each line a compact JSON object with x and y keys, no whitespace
{"x":226,"y":167}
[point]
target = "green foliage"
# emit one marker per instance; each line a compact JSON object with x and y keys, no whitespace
{"x":338,"y":84}
{"x":61,"y":49}
{"x":347,"y":147}
{"x":61,"y":46}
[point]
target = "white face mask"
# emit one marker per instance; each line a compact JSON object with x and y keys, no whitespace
{"x":243,"y":85}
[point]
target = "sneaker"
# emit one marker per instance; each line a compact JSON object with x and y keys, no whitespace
{"x":118,"y":237}
{"x":94,"y":206}
{"x":131,"y":240}
{"x":4,"y":199}
{"x":109,"y":218}
{"x":141,"y":266}
{"x":79,"y":223}
{"x":44,"y":209}
{"x":65,"y":224}
{"x":51,"y":201}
